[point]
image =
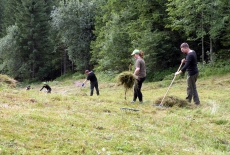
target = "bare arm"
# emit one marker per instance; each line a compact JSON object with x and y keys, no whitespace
{"x":85,"y":81}
{"x":137,"y":70}
{"x":179,"y":72}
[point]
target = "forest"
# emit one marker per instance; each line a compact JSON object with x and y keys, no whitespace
{"x":45,"y":39}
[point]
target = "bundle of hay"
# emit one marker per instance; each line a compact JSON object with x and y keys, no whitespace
{"x":4,"y":79}
{"x":171,"y":101}
{"x":127,"y":79}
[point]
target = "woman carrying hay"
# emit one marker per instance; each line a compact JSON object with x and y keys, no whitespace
{"x":140,"y":72}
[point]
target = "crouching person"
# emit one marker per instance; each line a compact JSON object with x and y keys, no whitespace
{"x":48,"y":88}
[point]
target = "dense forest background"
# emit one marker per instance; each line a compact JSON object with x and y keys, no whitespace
{"x":45,"y":39}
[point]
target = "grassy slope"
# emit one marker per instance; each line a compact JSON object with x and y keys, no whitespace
{"x":68,"y":121}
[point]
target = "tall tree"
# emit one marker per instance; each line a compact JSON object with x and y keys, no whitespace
{"x":2,"y":7}
{"x":31,"y":17}
{"x":198,"y":20}
{"x":137,"y":25}
{"x":74,"y":20}
{"x":32,"y":20}
{"x":11,"y":61}
{"x":225,"y":36}
{"x":111,"y":50}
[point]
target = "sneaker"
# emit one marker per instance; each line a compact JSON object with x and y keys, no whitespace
{"x":140,"y":102}
{"x":133,"y":101}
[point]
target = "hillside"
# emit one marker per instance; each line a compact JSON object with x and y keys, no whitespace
{"x":69,"y":121}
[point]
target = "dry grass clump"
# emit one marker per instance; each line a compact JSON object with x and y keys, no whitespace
{"x":9,"y":81}
{"x":127,"y":79}
{"x":171,"y":101}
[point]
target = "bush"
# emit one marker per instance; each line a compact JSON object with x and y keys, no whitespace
{"x":107,"y":76}
{"x":160,"y":75}
{"x":217,"y":68}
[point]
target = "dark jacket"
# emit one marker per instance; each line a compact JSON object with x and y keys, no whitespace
{"x":190,"y":64}
{"x":46,"y":86}
{"x":92,"y":77}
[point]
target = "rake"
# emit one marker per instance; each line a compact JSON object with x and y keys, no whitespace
{"x":161,"y":104}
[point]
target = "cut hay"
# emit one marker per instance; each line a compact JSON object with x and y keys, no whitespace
{"x":171,"y":101}
{"x":127,"y":79}
{"x":4,"y":79}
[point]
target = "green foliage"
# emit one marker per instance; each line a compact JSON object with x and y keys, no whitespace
{"x":197,"y":22}
{"x":29,"y":39}
{"x":8,"y":14}
{"x":35,"y":44}
{"x":101,"y":34}
{"x":74,"y":21}
{"x":107,"y":76}
{"x":166,"y":74}
{"x":135,"y":26}
{"x":111,"y":50}
{"x":210,"y":69}
{"x":9,"y":50}
{"x":2,"y":8}
{"x":78,"y":76}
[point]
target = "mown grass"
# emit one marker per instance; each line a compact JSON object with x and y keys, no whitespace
{"x":69,"y":121}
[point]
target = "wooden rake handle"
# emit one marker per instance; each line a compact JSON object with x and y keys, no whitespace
{"x":161,"y":104}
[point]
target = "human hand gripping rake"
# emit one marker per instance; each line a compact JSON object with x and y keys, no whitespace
{"x":161,"y":104}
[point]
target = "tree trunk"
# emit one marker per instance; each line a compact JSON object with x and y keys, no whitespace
{"x":33,"y":64}
{"x":202,"y":39}
{"x":72,"y":67}
{"x":211,"y":50}
{"x":64,"y":61}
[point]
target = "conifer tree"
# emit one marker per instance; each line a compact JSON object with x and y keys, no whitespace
{"x":33,"y":20}
{"x":74,"y":20}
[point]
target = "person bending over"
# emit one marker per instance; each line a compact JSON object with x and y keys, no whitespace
{"x":93,"y":81}
{"x":48,"y":88}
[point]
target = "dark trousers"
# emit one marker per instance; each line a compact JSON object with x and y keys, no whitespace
{"x":137,"y":90}
{"x":92,"y":86}
{"x":191,"y":89}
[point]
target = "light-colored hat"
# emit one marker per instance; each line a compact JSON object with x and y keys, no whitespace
{"x":136,"y":51}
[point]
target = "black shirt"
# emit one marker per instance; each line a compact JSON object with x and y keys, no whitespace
{"x":46,"y":86}
{"x":92,"y":77}
{"x":190,"y":64}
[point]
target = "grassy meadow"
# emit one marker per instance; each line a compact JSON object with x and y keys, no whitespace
{"x":69,"y":121}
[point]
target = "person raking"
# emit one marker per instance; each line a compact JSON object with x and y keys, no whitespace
{"x":191,"y":67}
{"x":93,"y":81}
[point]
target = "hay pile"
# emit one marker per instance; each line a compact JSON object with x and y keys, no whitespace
{"x":4,"y":79}
{"x":171,"y":101}
{"x":127,"y":79}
